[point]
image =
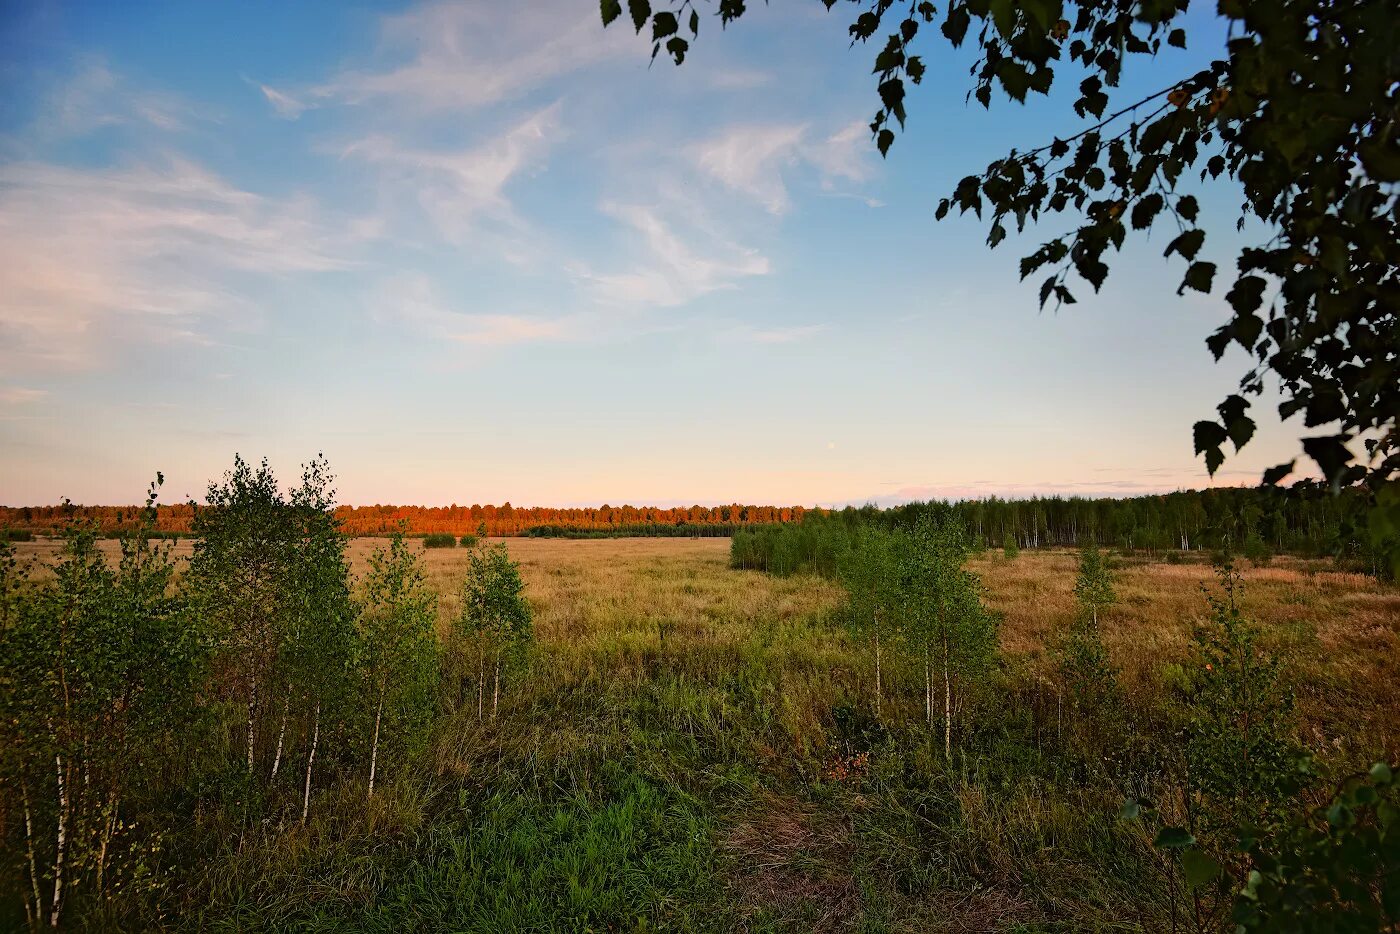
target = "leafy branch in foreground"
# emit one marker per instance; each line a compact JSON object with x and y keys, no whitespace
{"x":1334,"y":868}
{"x":1299,"y":115}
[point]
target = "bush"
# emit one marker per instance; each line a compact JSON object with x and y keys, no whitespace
{"x":439,"y":540}
{"x":16,"y":535}
{"x":468,"y":541}
{"x":1257,"y":550}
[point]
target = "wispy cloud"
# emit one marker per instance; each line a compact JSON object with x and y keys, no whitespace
{"x":19,"y":395}
{"x":93,"y":97}
{"x":755,"y":158}
{"x":462,"y":189}
{"x":751,"y":159}
{"x":283,"y":103}
{"x":413,"y":302}
{"x":467,"y":55}
{"x":168,"y":240}
{"x":673,"y":268}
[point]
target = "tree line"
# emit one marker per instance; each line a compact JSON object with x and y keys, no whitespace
{"x":1306,"y":519}
{"x":494,"y":521}
{"x":138,"y":702}
{"x":1257,"y":522}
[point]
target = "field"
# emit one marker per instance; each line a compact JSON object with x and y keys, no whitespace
{"x":693,"y":748}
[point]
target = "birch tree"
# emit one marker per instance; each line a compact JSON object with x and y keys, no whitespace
{"x":495,"y":620}
{"x":398,"y":649}
{"x":869,"y":570}
{"x":948,"y":625}
{"x":318,"y":646}
{"x":1093,"y":588}
{"x":98,"y":674}
{"x":1081,"y":658}
{"x":239,"y":577}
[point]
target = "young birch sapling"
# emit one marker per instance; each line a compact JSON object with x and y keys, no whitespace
{"x":398,"y":649}
{"x":495,"y":618}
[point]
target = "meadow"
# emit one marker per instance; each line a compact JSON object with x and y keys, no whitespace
{"x":694,"y":747}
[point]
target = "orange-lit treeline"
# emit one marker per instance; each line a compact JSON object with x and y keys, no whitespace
{"x":421,"y":520}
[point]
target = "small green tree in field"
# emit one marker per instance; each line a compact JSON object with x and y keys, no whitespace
{"x":495,"y":617}
{"x":869,"y":570}
{"x":1080,"y":656}
{"x":947,"y":623}
{"x":1242,"y":760}
{"x":1094,"y":586}
{"x":1009,"y":548}
{"x":99,"y":670}
{"x":468,"y":541}
{"x":439,"y":540}
{"x":318,"y":644}
{"x":398,"y":648}
{"x":269,"y":577}
{"x":239,"y":576}
{"x":1256,"y":550}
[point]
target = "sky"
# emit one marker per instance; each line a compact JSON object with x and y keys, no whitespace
{"x":485,"y":252}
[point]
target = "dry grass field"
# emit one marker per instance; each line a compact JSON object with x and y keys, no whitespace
{"x":1339,"y":631}
{"x":674,"y":751}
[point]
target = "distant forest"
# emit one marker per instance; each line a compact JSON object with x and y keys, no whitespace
{"x":1306,"y":519}
{"x":506,"y":520}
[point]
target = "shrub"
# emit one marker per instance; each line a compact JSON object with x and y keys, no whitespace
{"x":439,"y":540}
{"x":1257,"y":550}
{"x":468,"y":541}
{"x":1242,"y":760}
{"x":16,"y":535}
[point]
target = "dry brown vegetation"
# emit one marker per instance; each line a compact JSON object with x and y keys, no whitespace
{"x":1339,"y":631}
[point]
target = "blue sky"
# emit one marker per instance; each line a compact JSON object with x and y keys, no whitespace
{"x":479,"y":252}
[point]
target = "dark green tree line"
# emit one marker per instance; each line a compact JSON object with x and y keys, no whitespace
{"x":1261,"y":521}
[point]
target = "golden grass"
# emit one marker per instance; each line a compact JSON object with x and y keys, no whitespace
{"x":629,"y":608}
{"x":1338,"y":632}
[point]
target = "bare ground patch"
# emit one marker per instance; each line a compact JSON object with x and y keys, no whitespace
{"x":792,"y":866}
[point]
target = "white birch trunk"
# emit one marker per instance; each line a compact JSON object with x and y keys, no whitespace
{"x":310,"y":761}
{"x":282,"y":733}
{"x":947,"y":712}
{"x":61,"y":842}
{"x":374,"y":746}
{"x":879,"y":690}
{"x":480,"y":681}
{"x":496,"y":691}
{"x":35,"y":911}
{"x":252,"y":706}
